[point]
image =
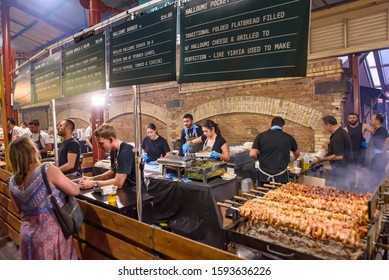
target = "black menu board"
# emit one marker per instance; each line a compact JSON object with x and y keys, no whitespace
{"x":22,"y":87}
{"x":243,"y":39}
{"x":143,"y":50}
{"x":48,"y":78}
{"x":85,"y":66}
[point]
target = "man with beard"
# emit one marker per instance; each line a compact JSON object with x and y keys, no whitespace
{"x":356,"y":131}
{"x":190,"y":132}
{"x":70,"y":151}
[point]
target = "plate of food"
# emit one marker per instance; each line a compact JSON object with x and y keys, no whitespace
{"x":228,"y":176}
{"x":202,"y":154}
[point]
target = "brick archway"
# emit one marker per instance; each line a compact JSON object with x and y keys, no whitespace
{"x":300,"y":114}
{"x":147,"y":109}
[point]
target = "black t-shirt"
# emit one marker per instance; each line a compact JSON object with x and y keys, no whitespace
{"x":356,"y":137}
{"x":274,"y":151}
{"x":217,"y":145}
{"x":192,"y":134}
{"x":70,"y":146}
{"x":123,"y":162}
{"x":155,"y":148}
{"x":378,"y":138}
{"x":340,"y":145}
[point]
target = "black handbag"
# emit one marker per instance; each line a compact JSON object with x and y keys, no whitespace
{"x":70,"y":215}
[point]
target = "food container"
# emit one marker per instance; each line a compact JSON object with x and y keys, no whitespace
{"x":246,"y":185}
{"x":203,"y":170}
{"x":110,"y":189}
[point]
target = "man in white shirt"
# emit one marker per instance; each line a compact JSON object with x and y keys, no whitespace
{"x":88,"y":138}
{"x":13,"y":130}
{"x":42,"y":140}
{"x":24,"y":127}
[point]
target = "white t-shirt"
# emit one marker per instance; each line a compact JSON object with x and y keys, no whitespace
{"x":26,"y":130}
{"x":17,"y":131}
{"x":88,"y":132}
{"x":45,"y":138}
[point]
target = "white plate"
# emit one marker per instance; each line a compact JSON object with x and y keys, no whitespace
{"x":202,"y":155}
{"x":228,"y":178}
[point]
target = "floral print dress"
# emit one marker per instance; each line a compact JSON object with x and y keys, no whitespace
{"x":41,"y":237}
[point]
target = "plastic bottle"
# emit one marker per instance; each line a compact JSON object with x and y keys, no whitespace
{"x":306,"y":162}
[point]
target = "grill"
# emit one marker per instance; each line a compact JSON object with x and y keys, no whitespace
{"x":259,"y":239}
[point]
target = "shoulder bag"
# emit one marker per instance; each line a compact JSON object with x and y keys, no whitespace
{"x":70,"y":216}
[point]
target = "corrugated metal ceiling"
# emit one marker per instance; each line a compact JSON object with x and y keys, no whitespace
{"x":36,"y":24}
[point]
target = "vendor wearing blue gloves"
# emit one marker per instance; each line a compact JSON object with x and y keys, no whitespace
{"x":190,"y":132}
{"x":212,"y":141}
{"x":154,"y":146}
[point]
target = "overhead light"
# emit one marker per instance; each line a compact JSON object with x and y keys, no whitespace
{"x":98,"y":100}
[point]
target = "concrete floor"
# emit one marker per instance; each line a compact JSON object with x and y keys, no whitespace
{"x":8,"y":249}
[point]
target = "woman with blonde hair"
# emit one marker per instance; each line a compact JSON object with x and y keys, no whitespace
{"x":40,"y":234}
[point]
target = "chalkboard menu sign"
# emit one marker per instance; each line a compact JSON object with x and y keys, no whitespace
{"x":243,"y":39}
{"x":85,"y":66}
{"x":48,"y":78}
{"x":22,"y":87}
{"x":143,"y":50}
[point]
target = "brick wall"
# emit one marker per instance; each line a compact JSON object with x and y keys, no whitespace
{"x":241,"y":108}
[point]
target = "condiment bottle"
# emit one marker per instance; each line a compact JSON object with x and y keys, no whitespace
{"x":306,"y":162}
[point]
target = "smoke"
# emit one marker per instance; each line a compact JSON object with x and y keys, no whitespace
{"x":356,"y":178}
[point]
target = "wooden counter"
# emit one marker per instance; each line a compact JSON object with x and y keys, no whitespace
{"x":106,"y":234}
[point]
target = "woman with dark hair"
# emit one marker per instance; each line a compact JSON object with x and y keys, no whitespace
{"x":212,"y":142}
{"x":41,"y":237}
{"x":154,"y":146}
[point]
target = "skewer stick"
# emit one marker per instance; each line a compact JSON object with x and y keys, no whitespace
{"x":240,"y":198}
{"x":258,"y":192}
{"x":270,"y":186}
{"x":249,"y":195}
{"x":260,"y":189}
{"x":232,"y":202}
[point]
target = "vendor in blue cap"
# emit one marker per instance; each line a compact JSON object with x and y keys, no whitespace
{"x":190,"y":132}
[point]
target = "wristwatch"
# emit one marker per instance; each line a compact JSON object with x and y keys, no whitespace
{"x":95,"y":185}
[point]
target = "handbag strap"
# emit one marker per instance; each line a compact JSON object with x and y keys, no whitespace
{"x":45,"y":180}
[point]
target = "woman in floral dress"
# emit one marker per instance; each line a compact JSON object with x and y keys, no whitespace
{"x":41,"y":237}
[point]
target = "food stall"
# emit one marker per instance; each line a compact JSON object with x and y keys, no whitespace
{"x":297,"y":221}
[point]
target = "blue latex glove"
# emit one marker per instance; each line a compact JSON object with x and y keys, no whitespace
{"x":145,"y":157}
{"x":185,"y":148}
{"x":214,"y":154}
{"x":364,"y":145}
{"x":153,"y":163}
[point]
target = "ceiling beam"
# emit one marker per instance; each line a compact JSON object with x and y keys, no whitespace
{"x":24,"y":29}
{"x":379,"y":71}
{"x":41,"y":18}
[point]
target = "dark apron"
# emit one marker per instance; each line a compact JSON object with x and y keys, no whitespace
{"x":39,"y":146}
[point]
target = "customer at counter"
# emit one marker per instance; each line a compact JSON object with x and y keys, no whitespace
{"x":70,"y":151}
{"x":212,"y":142}
{"x":41,"y":237}
{"x":154,"y":146}
{"x":88,"y":137}
{"x":13,"y":130}
{"x":190,"y":132}
{"x":122,"y":172}
{"x":42,"y":140}
{"x":339,"y":154}
{"x":273,"y":148}
{"x":24,"y":127}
